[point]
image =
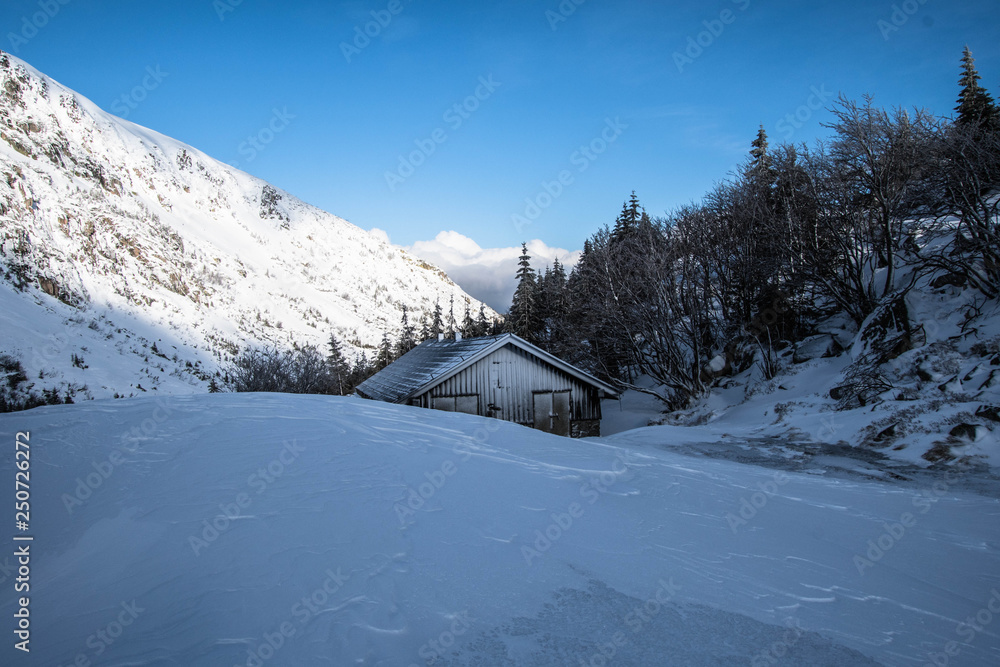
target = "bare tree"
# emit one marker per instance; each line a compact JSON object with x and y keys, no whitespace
{"x":877,"y":159}
{"x":266,"y":369}
{"x":964,"y":199}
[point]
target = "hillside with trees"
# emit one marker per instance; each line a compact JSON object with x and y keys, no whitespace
{"x":844,"y":236}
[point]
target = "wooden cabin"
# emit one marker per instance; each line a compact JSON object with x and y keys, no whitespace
{"x":504,"y":377}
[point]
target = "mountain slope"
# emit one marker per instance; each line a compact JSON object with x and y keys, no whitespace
{"x":125,"y":224}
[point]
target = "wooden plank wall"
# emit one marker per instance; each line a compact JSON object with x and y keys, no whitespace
{"x":507,"y":378}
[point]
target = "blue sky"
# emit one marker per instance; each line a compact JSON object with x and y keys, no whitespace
{"x":558,"y":76}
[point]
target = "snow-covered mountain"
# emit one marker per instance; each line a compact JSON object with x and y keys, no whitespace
{"x":147,"y":241}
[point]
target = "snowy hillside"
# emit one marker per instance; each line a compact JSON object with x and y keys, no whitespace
{"x":240,"y":529}
{"x":936,"y":401}
{"x":152,"y":239}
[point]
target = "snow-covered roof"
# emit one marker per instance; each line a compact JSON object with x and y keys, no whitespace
{"x":434,"y":361}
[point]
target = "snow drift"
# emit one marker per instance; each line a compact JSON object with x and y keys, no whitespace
{"x":267,"y":529}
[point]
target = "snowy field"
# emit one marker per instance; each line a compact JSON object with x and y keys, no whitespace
{"x":281,"y":530}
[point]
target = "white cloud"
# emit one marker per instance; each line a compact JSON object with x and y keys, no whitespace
{"x":380,"y":234}
{"x":487,"y":273}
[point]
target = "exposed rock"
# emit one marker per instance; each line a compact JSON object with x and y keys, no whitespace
{"x":953,"y":279}
{"x":886,"y":435}
{"x":939,"y":452}
{"x":965,"y":432}
{"x":991,"y":412}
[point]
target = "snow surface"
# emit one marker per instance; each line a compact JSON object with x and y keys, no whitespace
{"x":653,"y":556}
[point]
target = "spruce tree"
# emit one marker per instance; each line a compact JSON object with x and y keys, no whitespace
{"x":761,"y":168}
{"x":976,"y":107}
{"x":468,"y":324}
{"x":628,"y":219}
{"x":385,"y":355}
{"x":437,"y":323}
{"x":482,"y":323}
{"x":523,"y":308}
{"x":337,"y":364}
{"x":554,"y":309}
{"x":407,"y":336}
{"x":360,"y":371}
{"x":452,"y":322}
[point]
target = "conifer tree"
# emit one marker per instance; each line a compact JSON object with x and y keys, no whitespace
{"x":482,"y":324}
{"x":759,"y":150}
{"x":761,"y":170}
{"x":468,"y":328}
{"x":553,"y":307}
{"x":407,"y":336}
{"x":337,"y":364}
{"x":976,"y":107}
{"x":523,"y":317}
{"x":385,"y":354}
{"x":434,"y":325}
{"x":437,"y":321}
{"x":360,"y":371}
{"x":628,"y":220}
{"x":452,"y":322}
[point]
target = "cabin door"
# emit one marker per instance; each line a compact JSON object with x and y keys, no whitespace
{"x":552,"y":412}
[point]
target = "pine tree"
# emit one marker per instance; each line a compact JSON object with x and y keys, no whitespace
{"x":553,"y":308}
{"x":468,"y":324}
{"x":452,"y":322}
{"x":360,"y":371}
{"x":761,"y":168}
{"x":482,"y":323}
{"x":628,"y":219}
{"x":385,"y":354}
{"x":437,"y":323}
{"x":407,"y":335}
{"x":425,"y":327}
{"x":523,"y":316}
{"x":759,"y":150}
{"x":976,"y":107}
{"x":337,"y":364}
